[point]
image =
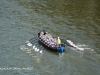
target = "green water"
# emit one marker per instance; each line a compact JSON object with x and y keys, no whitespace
{"x":75,"y":20}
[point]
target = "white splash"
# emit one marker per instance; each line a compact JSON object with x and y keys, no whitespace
{"x":29,"y":44}
{"x":36,"y":49}
{"x":33,"y":46}
{"x":41,"y":51}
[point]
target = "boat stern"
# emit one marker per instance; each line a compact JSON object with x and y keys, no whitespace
{"x":61,"y":49}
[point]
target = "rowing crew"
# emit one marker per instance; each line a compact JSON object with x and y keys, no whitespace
{"x":49,"y":40}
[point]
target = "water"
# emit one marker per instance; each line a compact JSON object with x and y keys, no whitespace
{"x":75,"y":20}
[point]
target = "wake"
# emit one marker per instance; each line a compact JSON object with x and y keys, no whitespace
{"x":80,"y":47}
{"x":75,"y":46}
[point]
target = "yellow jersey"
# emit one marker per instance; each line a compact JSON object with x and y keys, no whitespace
{"x":59,"y":41}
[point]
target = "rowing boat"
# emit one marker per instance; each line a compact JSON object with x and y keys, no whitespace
{"x":51,"y":42}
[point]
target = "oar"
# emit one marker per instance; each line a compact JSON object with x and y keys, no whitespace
{"x":33,"y":38}
{"x":33,"y":42}
{"x":36,"y":47}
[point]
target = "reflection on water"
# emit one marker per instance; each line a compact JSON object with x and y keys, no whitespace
{"x":74,"y":20}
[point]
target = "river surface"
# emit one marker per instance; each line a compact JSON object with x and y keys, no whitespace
{"x":74,"y":20}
